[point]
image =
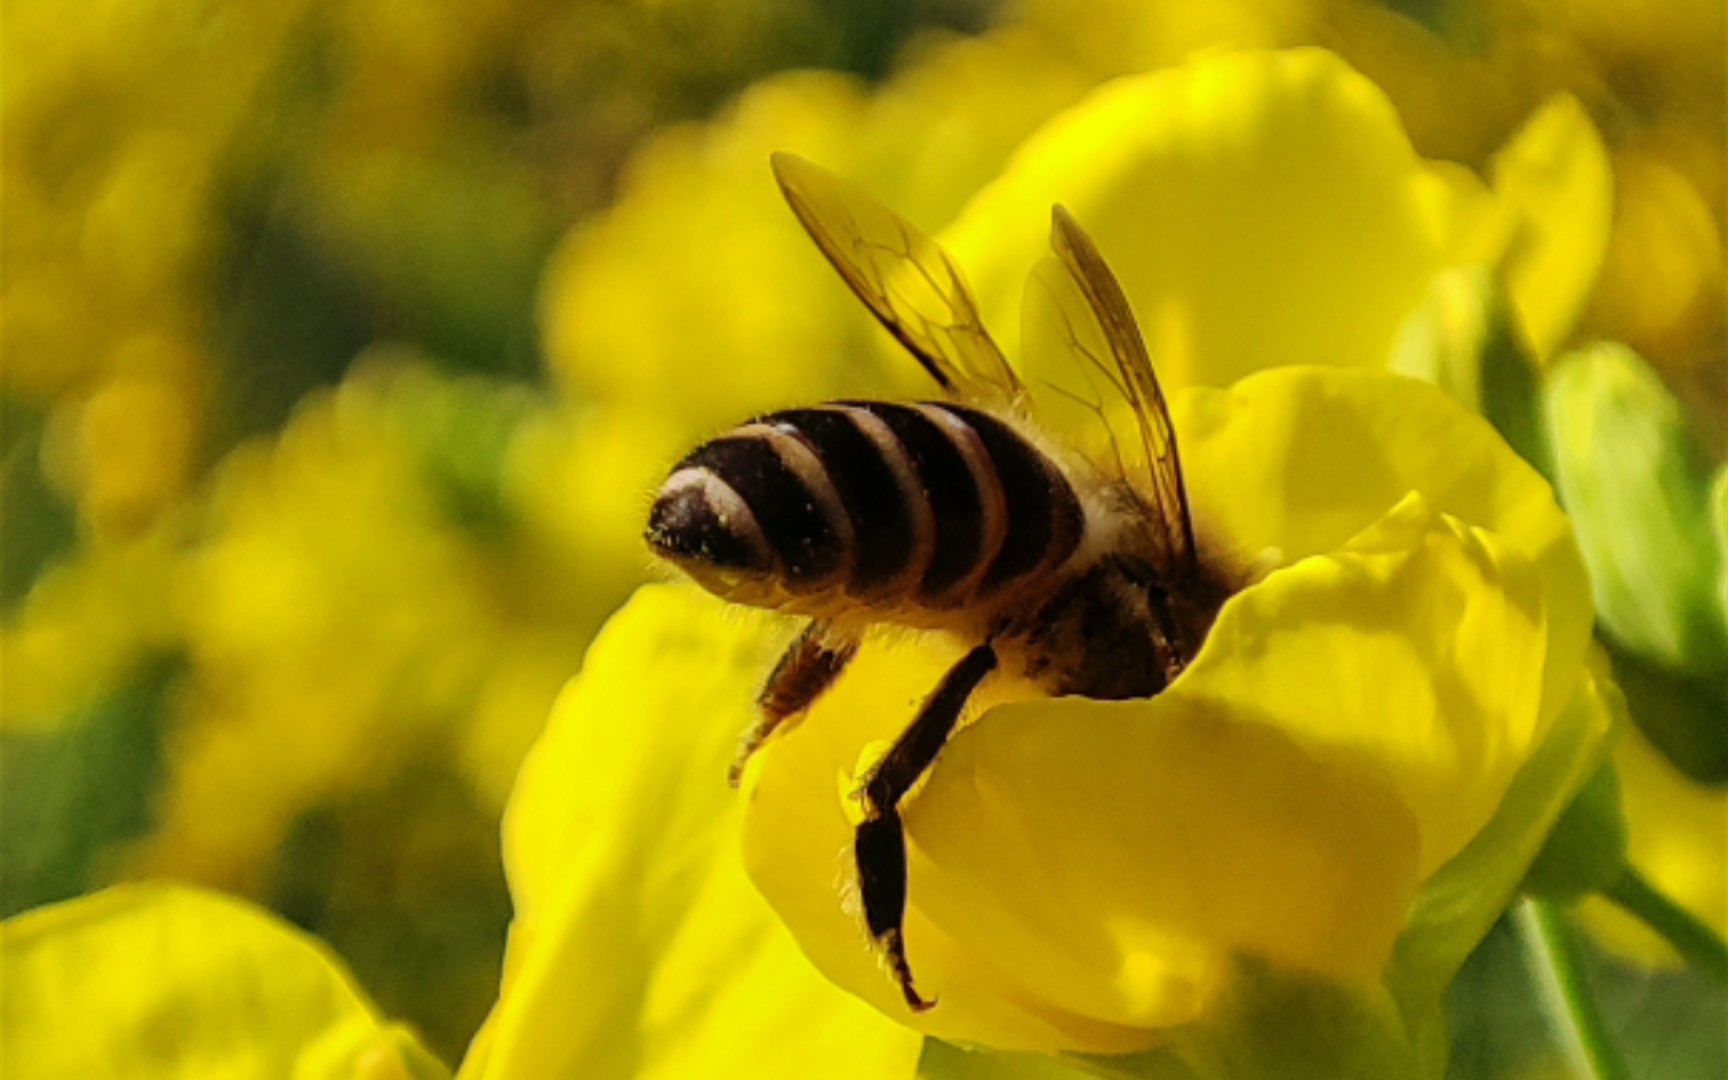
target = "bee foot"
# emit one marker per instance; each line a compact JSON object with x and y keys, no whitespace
{"x":895,"y":947}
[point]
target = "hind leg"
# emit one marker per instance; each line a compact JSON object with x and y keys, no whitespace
{"x":880,"y":845}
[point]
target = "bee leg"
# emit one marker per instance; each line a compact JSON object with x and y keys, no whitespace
{"x":880,"y":845}
{"x":807,"y":668}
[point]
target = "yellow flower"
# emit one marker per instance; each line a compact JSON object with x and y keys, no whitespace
{"x":1090,"y":876}
{"x":167,"y":981}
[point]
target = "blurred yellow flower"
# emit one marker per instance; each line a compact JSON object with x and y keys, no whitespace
{"x":1662,"y":290}
{"x":1677,"y":838}
{"x":167,"y":981}
{"x":699,"y":277}
{"x":340,"y":623}
{"x":359,"y":636}
{"x":119,"y":121}
{"x":126,"y":449}
{"x":1464,"y":74}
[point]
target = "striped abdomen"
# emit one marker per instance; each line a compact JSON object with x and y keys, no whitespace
{"x":937,"y":504}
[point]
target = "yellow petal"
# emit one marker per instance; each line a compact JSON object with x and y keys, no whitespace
{"x":1293,"y":463}
{"x":169,"y":981}
{"x":1261,"y":209}
{"x":1461,"y":902}
{"x":639,"y":948}
{"x":1116,"y":859}
{"x":1554,"y":179}
{"x":1415,"y":653}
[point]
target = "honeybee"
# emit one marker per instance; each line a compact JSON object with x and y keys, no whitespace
{"x":1079,"y":573}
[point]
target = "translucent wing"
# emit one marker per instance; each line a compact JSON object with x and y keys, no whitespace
{"x":1093,"y":316}
{"x":913,"y":287}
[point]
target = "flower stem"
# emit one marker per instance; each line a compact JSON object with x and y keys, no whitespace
{"x":1552,"y":956}
{"x":1693,"y":939}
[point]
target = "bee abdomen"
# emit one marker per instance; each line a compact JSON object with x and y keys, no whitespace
{"x":751,"y":504}
{"x":933,"y":503}
{"x":862,"y":474}
{"x":946,"y":495}
{"x":1044,"y":519}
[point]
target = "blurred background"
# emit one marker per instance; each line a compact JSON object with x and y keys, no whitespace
{"x":345,"y":339}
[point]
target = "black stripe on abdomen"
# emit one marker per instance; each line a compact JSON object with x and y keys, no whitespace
{"x":949,"y":489}
{"x":803,"y":541}
{"x":884,"y":536}
{"x":1045,"y":521}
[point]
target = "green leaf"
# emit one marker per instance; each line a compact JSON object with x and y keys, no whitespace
{"x":1511,"y":392}
{"x":1719,"y":528}
{"x":461,"y":431}
{"x":945,"y":1061}
{"x":73,"y":793}
{"x":1464,"y":338}
{"x":1587,"y":849}
{"x":1271,"y":1025}
{"x":1637,"y":488}
{"x":1680,"y":713}
{"x":39,"y":523}
{"x":1291,"y":1027}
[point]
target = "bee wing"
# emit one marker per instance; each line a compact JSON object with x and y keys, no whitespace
{"x":912,"y":286}
{"x":1085,"y":304}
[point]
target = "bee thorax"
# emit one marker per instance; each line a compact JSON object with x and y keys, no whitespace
{"x":1110,"y":633}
